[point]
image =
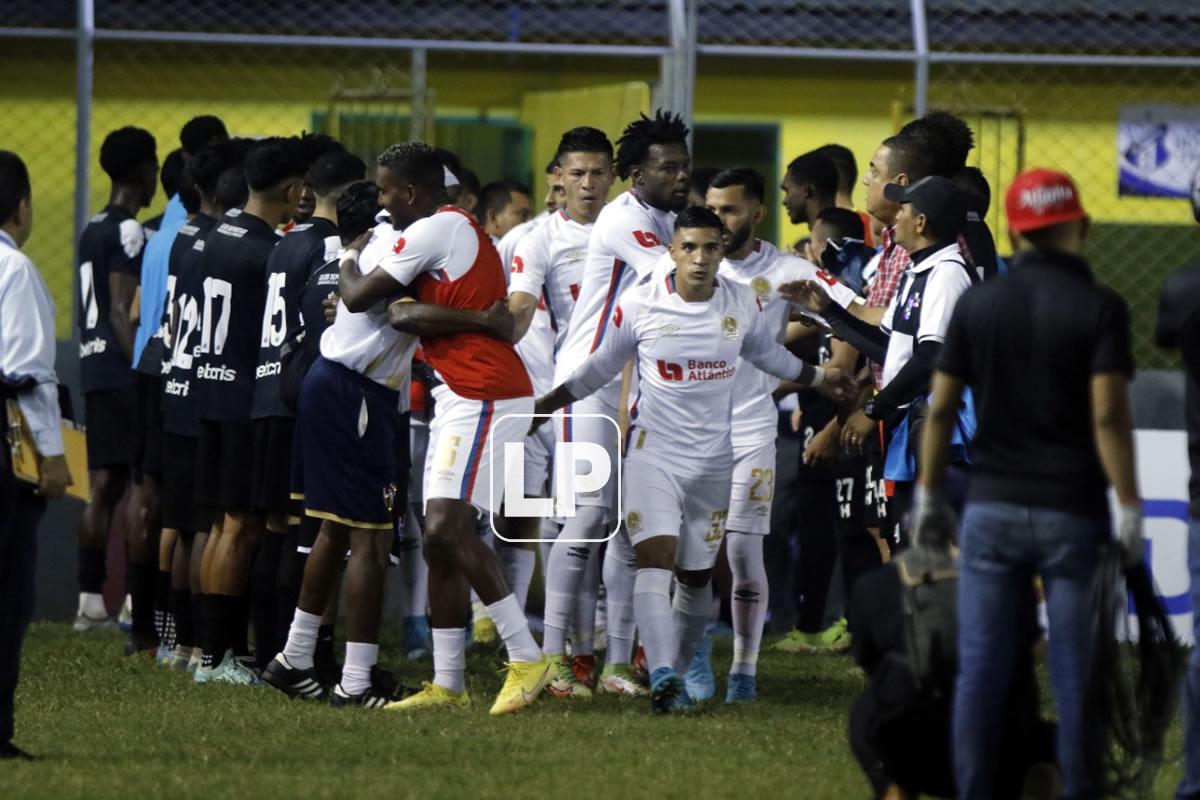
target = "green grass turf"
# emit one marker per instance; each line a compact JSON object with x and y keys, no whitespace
{"x":109,"y":726}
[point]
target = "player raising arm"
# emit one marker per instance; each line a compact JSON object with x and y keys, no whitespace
{"x":685,"y":332}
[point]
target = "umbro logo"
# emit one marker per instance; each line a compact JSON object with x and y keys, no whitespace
{"x":746,"y":596}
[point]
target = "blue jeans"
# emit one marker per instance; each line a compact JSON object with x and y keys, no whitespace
{"x":1003,"y":547}
{"x":1189,"y":787}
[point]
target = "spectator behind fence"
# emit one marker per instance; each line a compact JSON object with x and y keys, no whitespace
{"x":26,"y":375}
{"x":1046,"y":352}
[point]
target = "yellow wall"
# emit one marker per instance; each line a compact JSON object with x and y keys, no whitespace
{"x":1071,"y":121}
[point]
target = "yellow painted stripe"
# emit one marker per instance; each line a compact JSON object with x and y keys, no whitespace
{"x":353,"y":523}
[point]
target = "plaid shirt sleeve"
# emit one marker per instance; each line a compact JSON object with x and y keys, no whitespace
{"x":895,"y":261}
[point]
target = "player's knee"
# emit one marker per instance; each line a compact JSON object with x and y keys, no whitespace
{"x":372,"y":546}
{"x":107,"y":486}
{"x":445,"y":523}
{"x":697,"y":579}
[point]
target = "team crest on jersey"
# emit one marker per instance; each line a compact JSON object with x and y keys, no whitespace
{"x":729,"y":326}
{"x":669,"y":329}
{"x":912,"y":304}
{"x":761,"y":287}
{"x":633,"y":522}
{"x":389,"y":497}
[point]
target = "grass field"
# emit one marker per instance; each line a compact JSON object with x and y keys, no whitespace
{"x":113,"y":727}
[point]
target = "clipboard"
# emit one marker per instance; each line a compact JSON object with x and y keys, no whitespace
{"x":24,"y":454}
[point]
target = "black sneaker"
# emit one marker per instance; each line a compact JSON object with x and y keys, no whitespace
{"x":384,"y":689}
{"x":293,"y":682}
{"x":9,"y":751}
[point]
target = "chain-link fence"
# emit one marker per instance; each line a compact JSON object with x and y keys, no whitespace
{"x":1101,"y":90}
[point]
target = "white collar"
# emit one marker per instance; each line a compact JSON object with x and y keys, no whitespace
{"x":947,"y":253}
{"x":8,"y":240}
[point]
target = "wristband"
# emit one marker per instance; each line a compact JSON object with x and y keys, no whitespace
{"x":350,"y":254}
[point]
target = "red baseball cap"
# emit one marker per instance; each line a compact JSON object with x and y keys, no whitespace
{"x":1039,"y":198}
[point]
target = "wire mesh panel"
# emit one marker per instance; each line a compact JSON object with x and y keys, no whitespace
{"x":1129,"y":135}
{"x":38,"y":123}
{"x":546,"y":21}
{"x":846,"y":24}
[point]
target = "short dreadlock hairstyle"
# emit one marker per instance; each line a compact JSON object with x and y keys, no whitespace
{"x":639,"y":135}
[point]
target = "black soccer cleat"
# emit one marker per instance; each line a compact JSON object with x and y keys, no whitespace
{"x":300,"y":683}
{"x":384,"y":689}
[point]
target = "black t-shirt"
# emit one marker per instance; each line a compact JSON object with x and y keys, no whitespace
{"x":816,"y":410}
{"x":979,"y":246}
{"x":303,"y":251}
{"x":1179,"y":327}
{"x":112,"y":243}
{"x":185,"y":279}
{"x":235,"y":292}
{"x":312,"y":305}
{"x":1028,"y":344}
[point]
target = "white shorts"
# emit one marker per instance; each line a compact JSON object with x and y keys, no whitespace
{"x":592,"y":420}
{"x":539,"y":451}
{"x":753,"y":489}
{"x":466,"y":447}
{"x":692,"y":509}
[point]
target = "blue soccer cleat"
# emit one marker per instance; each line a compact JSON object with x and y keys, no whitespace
{"x":741,"y":689}
{"x":418,"y":643}
{"x":701,"y":683}
{"x":668,"y":693}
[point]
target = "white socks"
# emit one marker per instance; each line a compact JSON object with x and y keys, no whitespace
{"x":414,"y":572}
{"x":652,"y":608}
{"x":514,"y":630}
{"x":302,"y":639}
{"x":565,"y":574}
{"x":450,"y":658}
{"x":690,"y":612}
{"x":356,"y":673}
{"x":749,"y":599}
{"x":91,"y":605}
{"x":620,"y":571}
{"x":517,"y":564}
{"x":583,"y":632}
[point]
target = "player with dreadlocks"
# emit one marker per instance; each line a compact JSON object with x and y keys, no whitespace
{"x":628,"y":238}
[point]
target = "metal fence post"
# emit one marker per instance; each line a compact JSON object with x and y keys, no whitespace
{"x":920,"y":58}
{"x":679,"y":66}
{"x":418,"y":129}
{"x":85,"y":28}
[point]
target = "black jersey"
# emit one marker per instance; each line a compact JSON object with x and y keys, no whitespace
{"x":112,"y":243}
{"x":235,"y":291}
{"x":312,"y":304}
{"x":302,"y":252}
{"x":183,"y":318}
{"x":816,"y":410}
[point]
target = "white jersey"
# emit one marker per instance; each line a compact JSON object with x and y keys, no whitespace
{"x":536,"y":347}
{"x":626,"y":241}
{"x":365,"y":342}
{"x":548,"y":264}
{"x":755,"y":417}
{"x":686,"y":356}
{"x":922,"y":305}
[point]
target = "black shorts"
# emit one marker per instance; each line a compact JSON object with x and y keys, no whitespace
{"x":271,"y":483}
{"x":147,"y":430}
{"x":348,"y":448}
{"x":179,"y":508}
{"x":860,"y":487}
{"x":225,"y":465}
{"x":107,"y":415}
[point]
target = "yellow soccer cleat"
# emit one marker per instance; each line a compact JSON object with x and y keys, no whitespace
{"x":524,"y":683}
{"x":430,"y":696}
{"x":484,"y":631}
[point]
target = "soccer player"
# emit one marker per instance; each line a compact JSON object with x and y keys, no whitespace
{"x":503,"y":205}
{"x":313,"y":147}
{"x":627,"y":240}
{"x":306,"y":247}
{"x":809,"y":187}
{"x":182,"y":517}
{"x":110,"y":252}
{"x":349,"y":423}
{"x":235,"y":264}
{"x":546,"y":272}
{"x":685,"y":331}
{"x":847,"y":170}
{"x":450,"y":261}
{"x":736,"y":196}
